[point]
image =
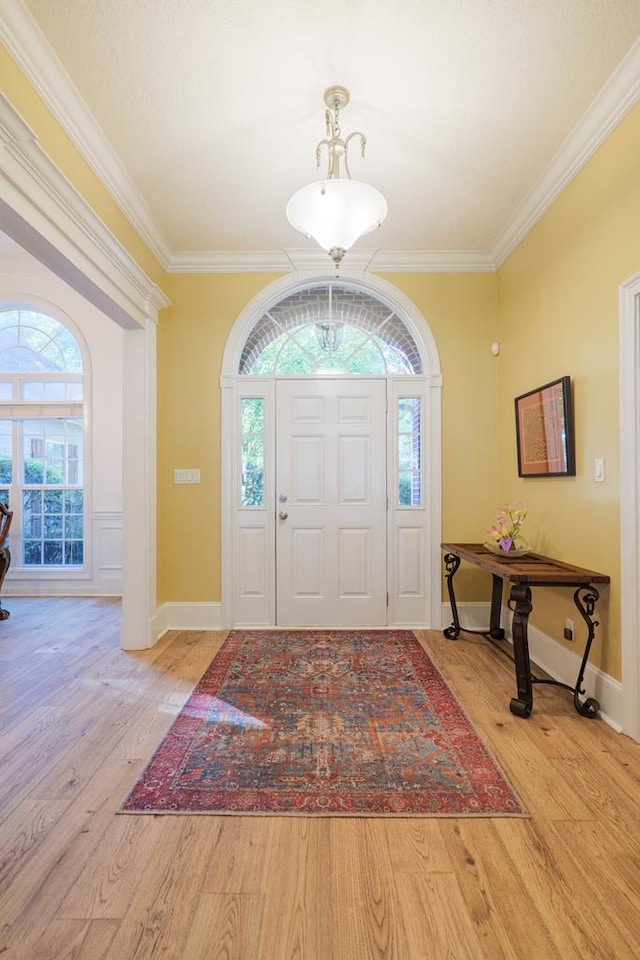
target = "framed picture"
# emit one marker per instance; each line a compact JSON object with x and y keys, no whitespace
{"x":544,"y":431}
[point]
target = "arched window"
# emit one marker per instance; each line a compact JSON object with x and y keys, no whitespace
{"x":330,"y":328}
{"x":42,"y":439}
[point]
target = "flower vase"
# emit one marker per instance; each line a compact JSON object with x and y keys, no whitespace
{"x":514,"y":551}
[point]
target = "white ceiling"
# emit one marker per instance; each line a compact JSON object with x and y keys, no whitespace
{"x":214,"y":107}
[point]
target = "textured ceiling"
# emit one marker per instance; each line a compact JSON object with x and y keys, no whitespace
{"x":214,"y":107}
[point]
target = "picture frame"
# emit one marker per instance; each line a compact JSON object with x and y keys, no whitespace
{"x":545,"y":431}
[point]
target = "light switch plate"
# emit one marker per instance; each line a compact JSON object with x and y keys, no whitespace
{"x":598,"y":470}
{"x":186,"y":476}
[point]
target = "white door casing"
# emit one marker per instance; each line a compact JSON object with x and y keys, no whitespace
{"x":629,"y":303}
{"x":254,"y":536}
{"x":413,"y":535}
{"x":331,"y":558}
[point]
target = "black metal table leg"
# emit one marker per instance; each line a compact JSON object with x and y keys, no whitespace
{"x":586,"y":604}
{"x":452,"y":562}
{"x":495,"y":630}
{"x":520,"y":603}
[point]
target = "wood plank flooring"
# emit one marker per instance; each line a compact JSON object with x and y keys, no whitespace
{"x":79,"y":719}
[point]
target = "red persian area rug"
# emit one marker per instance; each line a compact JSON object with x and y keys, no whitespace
{"x":329,"y":723}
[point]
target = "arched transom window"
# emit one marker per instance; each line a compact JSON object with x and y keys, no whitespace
{"x":42,"y":439}
{"x":330,"y":328}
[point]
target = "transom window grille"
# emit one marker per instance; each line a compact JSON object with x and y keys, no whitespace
{"x":42,"y":439}
{"x":32,"y":341}
{"x":330,"y":328}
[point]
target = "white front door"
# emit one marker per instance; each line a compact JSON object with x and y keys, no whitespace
{"x":331,"y":550}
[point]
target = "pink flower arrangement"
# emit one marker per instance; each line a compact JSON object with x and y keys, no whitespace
{"x":506,"y":529}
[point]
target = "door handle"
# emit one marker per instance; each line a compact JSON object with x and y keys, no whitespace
{"x":283,"y":514}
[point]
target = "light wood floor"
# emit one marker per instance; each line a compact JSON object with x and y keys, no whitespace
{"x":79,"y":719}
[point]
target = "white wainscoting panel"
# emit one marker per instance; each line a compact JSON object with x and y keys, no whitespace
{"x":102,"y":578}
{"x":107,"y":552}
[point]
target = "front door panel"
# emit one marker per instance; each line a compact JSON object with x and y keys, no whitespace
{"x":331,"y":510}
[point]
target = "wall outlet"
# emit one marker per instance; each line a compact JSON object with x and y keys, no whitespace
{"x":569,"y":629}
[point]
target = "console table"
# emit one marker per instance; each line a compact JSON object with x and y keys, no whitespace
{"x":524,"y":572}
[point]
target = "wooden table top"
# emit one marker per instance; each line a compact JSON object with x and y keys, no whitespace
{"x":531,"y":568}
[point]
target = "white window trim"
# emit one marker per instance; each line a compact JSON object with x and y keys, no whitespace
{"x":25,"y":409}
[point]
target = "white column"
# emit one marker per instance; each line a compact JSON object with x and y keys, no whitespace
{"x":629,"y":501}
{"x":139,"y":515}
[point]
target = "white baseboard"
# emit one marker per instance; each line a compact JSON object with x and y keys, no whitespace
{"x":187,"y":616}
{"x":475,"y":616}
{"x":563,"y":664}
{"x":66,"y":587}
{"x":553,"y":658}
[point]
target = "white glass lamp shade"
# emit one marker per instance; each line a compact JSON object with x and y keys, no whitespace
{"x":336,"y":212}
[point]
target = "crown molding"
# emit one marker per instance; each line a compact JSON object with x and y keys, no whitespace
{"x":316,"y":261}
{"x":357,"y":260}
{"x":29,"y":48}
{"x":44,"y":213}
{"x":307,"y":261}
{"x":432,"y":261}
{"x":235,"y":261}
{"x":617,"y":97}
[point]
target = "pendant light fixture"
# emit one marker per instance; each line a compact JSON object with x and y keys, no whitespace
{"x":336,"y":211}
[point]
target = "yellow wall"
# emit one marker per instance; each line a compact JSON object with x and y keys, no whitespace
{"x":191,"y":340}
{"x":461,"y":313}
{"x":557,"y":315}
